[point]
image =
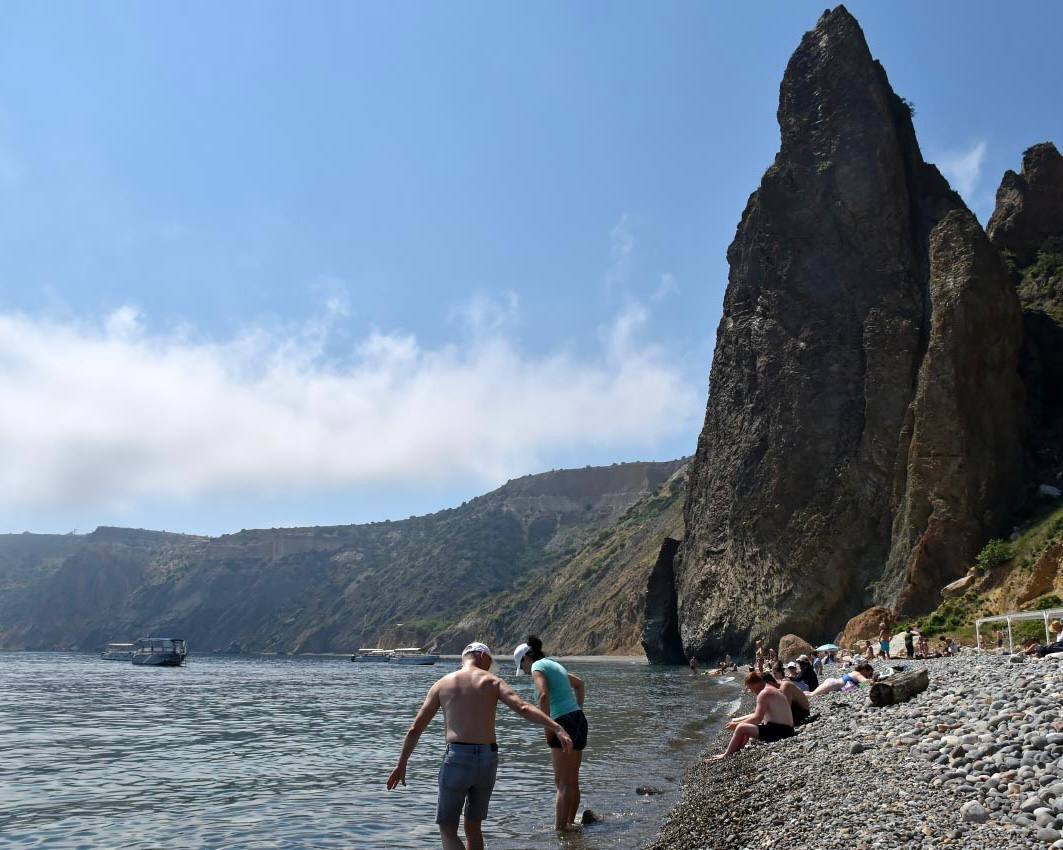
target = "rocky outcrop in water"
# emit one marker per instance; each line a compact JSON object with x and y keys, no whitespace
{"x":862,"y":437}
{"x":1027,"y":227}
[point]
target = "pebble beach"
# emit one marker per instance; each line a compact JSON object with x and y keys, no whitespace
{"x":975,"y":761}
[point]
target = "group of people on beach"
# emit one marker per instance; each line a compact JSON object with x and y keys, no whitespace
{"x":469,"y":698}
{"x":782,"y":702}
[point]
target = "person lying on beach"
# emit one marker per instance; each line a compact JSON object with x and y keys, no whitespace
{"x":797,"y":698}
{"x":862,"y":674}
{"x":469,"y":698}
{"x":771,"y":721}
{"x":1032,"y":647}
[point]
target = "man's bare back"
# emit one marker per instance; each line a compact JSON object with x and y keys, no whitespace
{"x":469,"y":698}
{"x":776,"y":707}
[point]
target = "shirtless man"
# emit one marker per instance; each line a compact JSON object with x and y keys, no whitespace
{"x":772,"y":721}
{"x":797,"y":698}
{"x":469,"y":698}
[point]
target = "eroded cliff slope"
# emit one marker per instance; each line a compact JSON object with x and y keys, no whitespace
{"x":324,"y":589}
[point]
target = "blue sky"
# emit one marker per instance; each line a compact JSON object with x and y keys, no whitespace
{"x":272,"y":264}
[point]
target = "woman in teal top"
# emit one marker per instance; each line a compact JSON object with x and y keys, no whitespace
{"x":560,"y":696}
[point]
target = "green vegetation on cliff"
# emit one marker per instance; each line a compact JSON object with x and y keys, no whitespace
{"x":1009,"y":575}
{"x":322,"y":589}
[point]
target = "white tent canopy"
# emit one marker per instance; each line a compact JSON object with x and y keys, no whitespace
{"x":1046,"y":615}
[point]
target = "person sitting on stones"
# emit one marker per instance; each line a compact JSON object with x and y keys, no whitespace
{"x":771,"y":721}
{"x":808,"y":673}
{"x":797,"y":697}
{"x":869,"y":651}
{"x":862,"y":674}
{"x":792,"y":673}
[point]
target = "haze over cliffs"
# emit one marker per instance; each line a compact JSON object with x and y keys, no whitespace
{"x":865,"y":429}
{"x":333,"y":589}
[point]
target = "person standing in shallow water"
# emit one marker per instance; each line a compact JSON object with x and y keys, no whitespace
{"x":469,"y":698}
{"x":561,"y":696}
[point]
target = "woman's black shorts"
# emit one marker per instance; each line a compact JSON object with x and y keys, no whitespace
{"x":575,"y":723}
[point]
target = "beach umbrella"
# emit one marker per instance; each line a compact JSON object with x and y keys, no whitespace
{"x":828,"y":647}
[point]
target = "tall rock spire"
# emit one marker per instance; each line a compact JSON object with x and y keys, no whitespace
{"x":1027,"y":227}
{"x":861,"y":436}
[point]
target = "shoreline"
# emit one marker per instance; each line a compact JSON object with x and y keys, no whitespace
{"x":975,"y":761}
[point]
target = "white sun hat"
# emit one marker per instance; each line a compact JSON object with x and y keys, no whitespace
{"x":518,"y":655}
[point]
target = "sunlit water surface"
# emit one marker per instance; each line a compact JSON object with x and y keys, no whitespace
{"x":231,"y":752}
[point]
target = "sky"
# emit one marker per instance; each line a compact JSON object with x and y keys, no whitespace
{"x":273,"y":264}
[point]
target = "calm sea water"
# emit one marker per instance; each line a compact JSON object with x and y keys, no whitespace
{"x":232,"y":752}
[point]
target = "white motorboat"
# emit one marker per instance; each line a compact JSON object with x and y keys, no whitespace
{"x":160,"y":652}
{"x":119,"y":652}
{"x":372,"y":656}
{"x":413,"y":655}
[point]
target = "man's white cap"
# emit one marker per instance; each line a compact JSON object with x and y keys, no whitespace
{"x":476,"y":646}
{"x":518,"y":655}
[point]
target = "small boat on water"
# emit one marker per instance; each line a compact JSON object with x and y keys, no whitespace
{"x":413,"y":655}
{"x":372,"y":656}
{"x":118,"y":652}
{"x":160,"y":652}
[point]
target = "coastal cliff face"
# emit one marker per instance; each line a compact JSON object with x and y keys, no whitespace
{"x":862,"y":436}
{"x":1027,"y":228}
{"x":333,"y":589}
{"x":594,"y":603}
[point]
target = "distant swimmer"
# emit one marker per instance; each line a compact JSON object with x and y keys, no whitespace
{"x":560,"y":694}
{"x":469,"y":698}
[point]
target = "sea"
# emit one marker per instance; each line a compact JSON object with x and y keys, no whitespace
{"x":293,"y":752}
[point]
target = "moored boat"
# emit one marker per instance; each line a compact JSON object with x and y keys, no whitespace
{"x":160,"y":652}
{"x":372,"y":656}
{"x":413,"y":655}
{"x":118,"y":652}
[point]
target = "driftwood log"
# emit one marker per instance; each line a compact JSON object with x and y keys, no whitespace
{"x":900,"y":687}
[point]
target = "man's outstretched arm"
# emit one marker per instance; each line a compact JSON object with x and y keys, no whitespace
{"x":533,"y":715}
{"x":428,"y":710}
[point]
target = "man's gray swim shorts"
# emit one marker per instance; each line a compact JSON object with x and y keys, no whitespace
{"x":466,"y":778}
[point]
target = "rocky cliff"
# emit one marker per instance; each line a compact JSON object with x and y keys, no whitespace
{"x":1027,"y":227}
{"x":327,"y":589}
{"x":862,"y":437}
{"x":594,"y":602}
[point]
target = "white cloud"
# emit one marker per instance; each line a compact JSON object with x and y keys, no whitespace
{"x":485,"y":315}
{"x":665,"y":286}
{"x":107,"y":415}
{"x":964,"y":168}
